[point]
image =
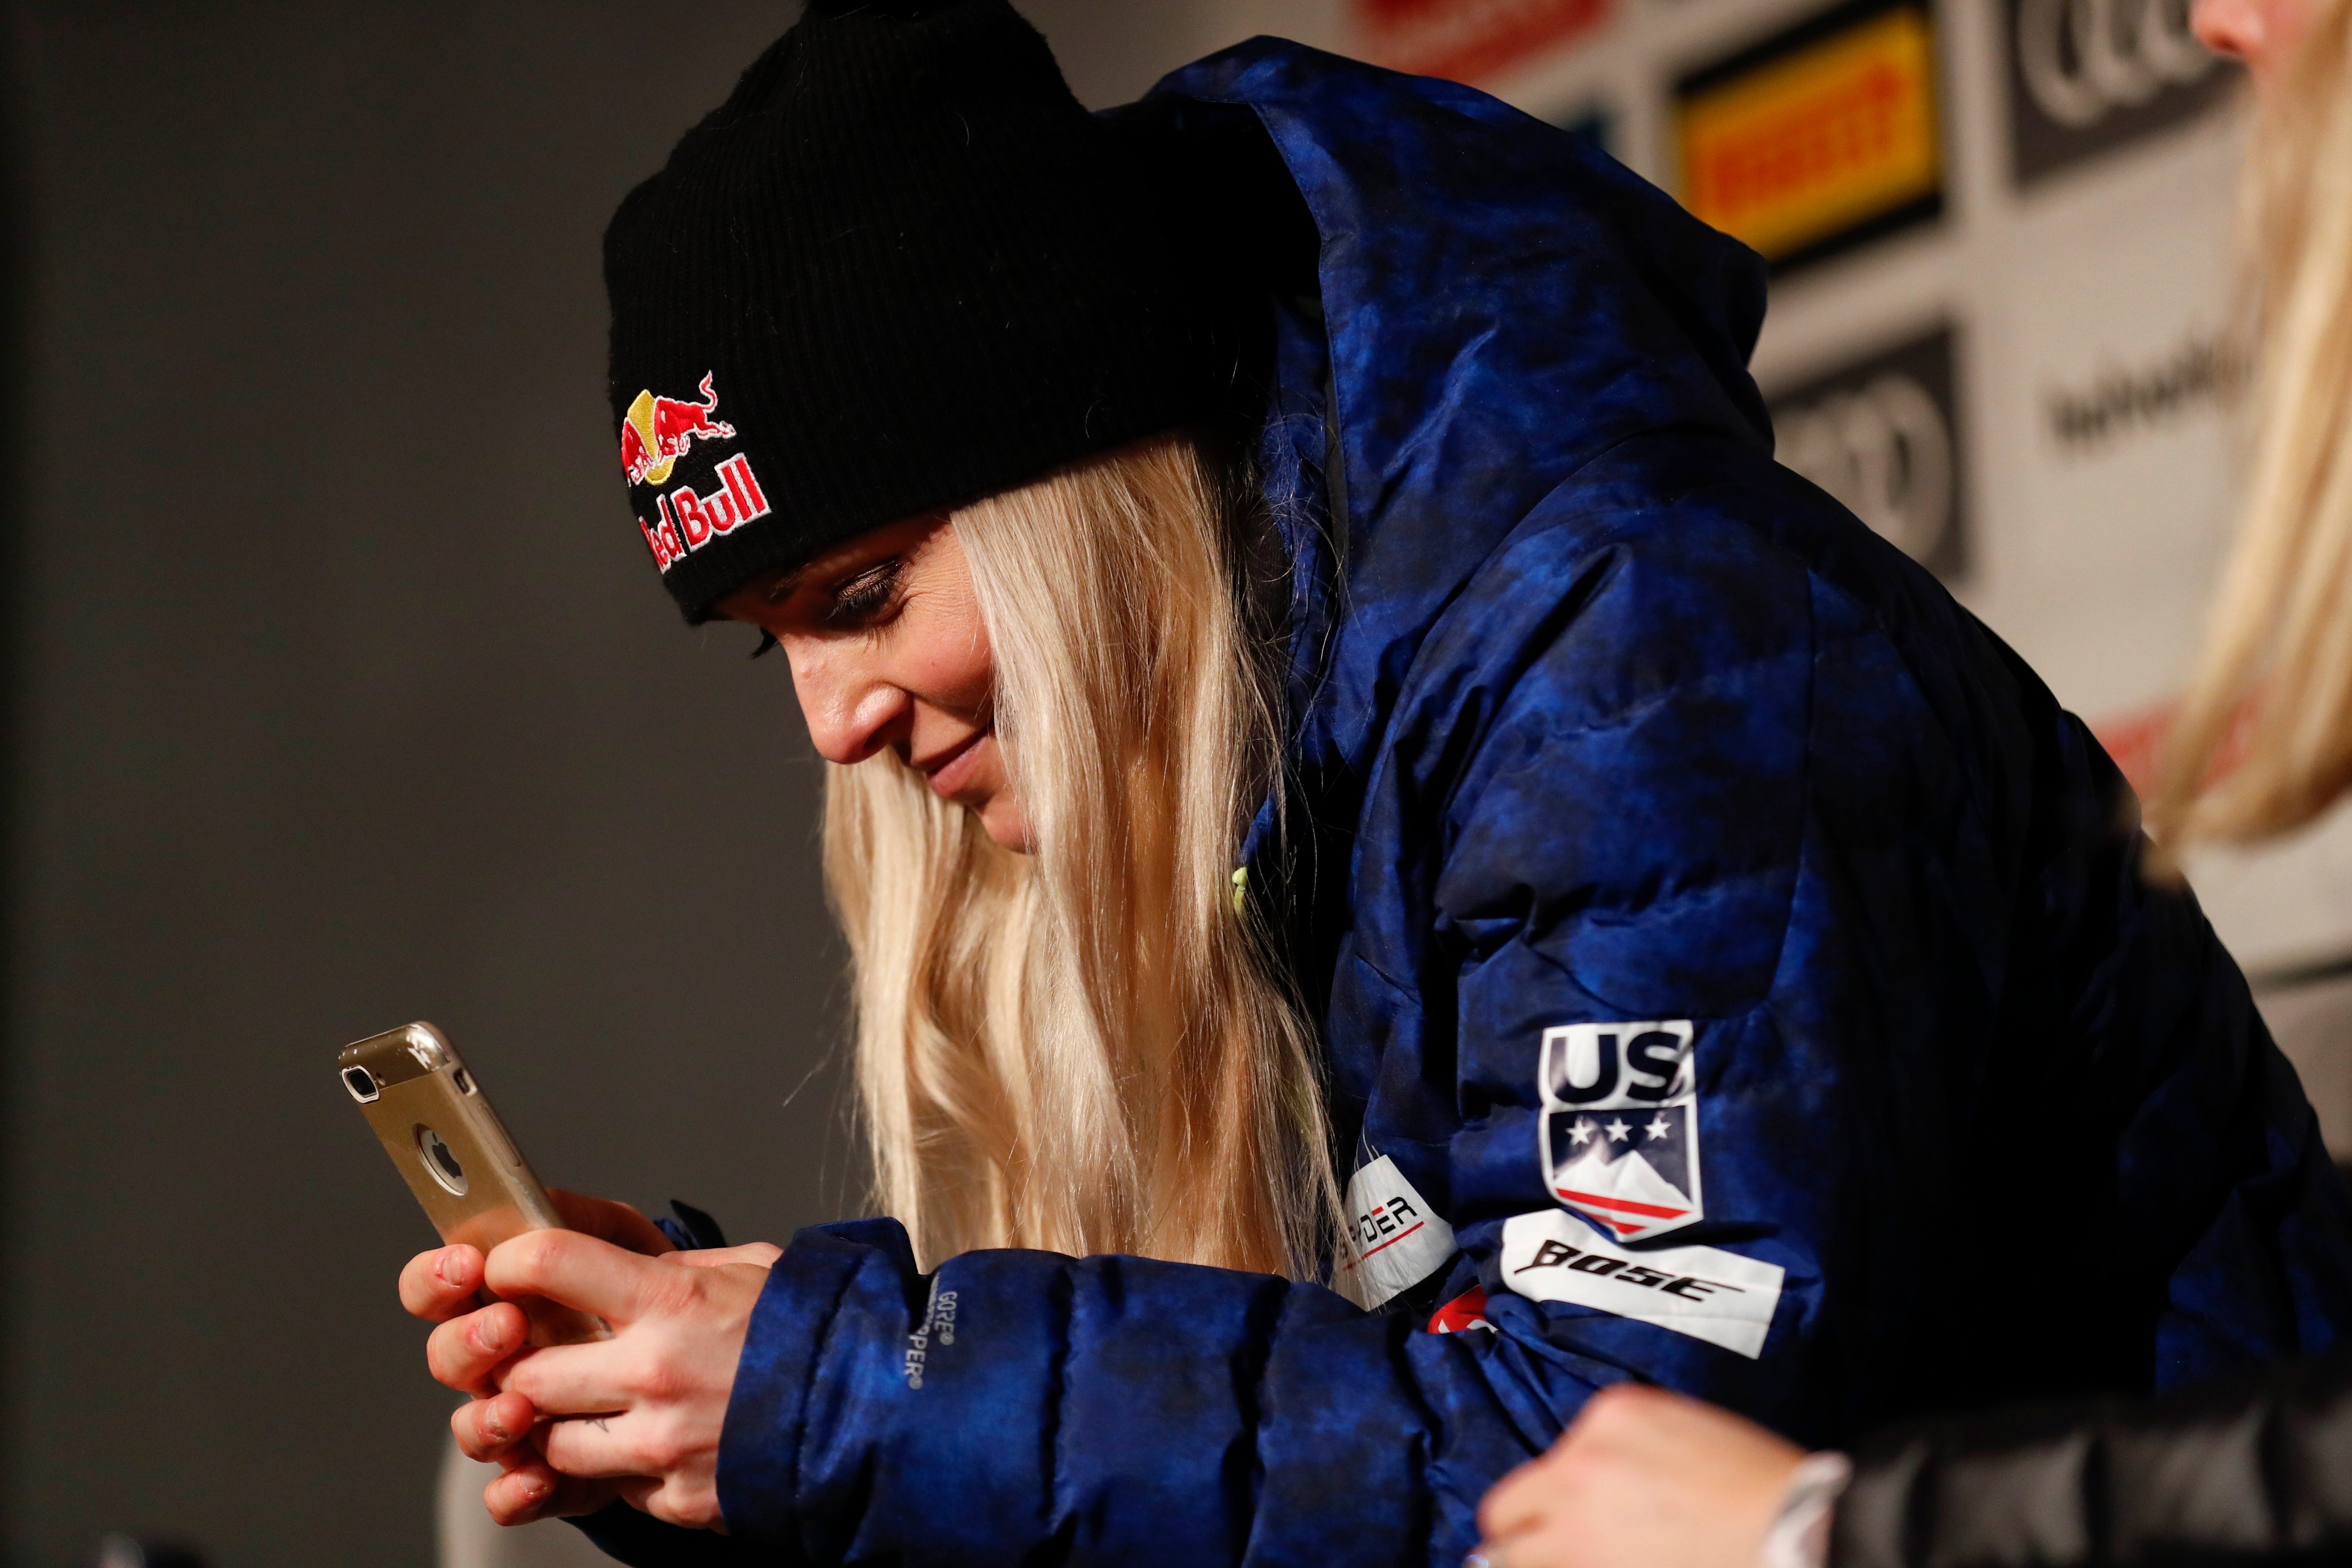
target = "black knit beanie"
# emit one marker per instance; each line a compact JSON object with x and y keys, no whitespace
{"x":900,"y":268}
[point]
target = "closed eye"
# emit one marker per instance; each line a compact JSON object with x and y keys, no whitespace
{"x":864,"y":598}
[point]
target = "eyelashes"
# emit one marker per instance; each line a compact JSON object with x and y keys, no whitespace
{"x":864,"y":597}
{"x":861,"y":601}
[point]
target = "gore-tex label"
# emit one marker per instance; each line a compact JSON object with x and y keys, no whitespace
{"x":938,"y":1328}
{"x":1702,"y":1291}
{"x":1395,"y":1241}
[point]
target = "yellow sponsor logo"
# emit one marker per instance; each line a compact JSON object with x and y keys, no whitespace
{"x":1809,"y":144}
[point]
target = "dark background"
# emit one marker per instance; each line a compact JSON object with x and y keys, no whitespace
{"x":341,"y":691}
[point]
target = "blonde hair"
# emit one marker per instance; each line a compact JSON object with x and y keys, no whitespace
{"x":2263,"y":743}
{"x":1087,"y":1049}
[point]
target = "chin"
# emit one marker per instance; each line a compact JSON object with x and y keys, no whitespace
{"x":1000,"y":819}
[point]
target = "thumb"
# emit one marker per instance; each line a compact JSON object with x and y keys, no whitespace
{"x":607,"y":1220}
{"x":762,"y":1253}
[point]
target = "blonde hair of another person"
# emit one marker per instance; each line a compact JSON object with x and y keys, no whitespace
{"x":2263,"y":743}
{"x":1089,"y":1048}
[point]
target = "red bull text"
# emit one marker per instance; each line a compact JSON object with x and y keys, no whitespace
{"x":655,"y":434}
{"x":690,"y":522}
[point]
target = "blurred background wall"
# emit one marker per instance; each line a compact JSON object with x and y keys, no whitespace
{"x":341,"y":692}
{"x":345,"y":694}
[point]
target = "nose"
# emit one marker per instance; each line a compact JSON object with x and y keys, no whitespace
{"x":2232,"y":28}
{"x":851,"y":712}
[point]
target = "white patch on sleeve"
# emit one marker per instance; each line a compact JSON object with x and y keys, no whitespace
{"x":1396,"y":1241}
{"x":1702,"y":1291}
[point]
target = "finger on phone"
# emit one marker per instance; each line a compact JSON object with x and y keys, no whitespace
{"x":572,"y":1380}
{"x":535,"y":1491}
{"x":486,"y":1429}
{"x":609,"y":1220}
{"x":518,"y":1496}
{"x":578,"y":1271}
{"x":597,"y":1447}
{"x":463,"y":1353}
{"x":763,"y":1253}
{"x":439,"y":1285}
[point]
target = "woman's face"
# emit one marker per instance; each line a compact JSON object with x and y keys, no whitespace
{"x":2262,"y":33}
{"x":888,"y":649}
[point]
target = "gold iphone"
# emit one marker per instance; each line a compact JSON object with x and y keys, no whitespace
{"x":431,"y":1116}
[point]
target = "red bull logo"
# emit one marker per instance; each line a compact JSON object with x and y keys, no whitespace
{"x":656,"y":431}
{"x":690,"y":522}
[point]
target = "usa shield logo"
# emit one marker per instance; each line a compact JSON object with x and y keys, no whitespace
{"x":1620,"y":1128}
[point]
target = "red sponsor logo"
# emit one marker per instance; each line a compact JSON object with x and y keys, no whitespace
{"x":656,"y":431}
{"x":1467,"y":1311}
{"x":1468,"y":39}
{"x":2136,"y":741}
{"x":689,"y":521}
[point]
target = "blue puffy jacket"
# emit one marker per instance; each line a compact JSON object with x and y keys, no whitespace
{"x":1734,"y":966}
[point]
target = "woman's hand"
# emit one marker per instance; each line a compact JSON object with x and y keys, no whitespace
{"x":1643,"y":1479}
{"x":636,"y":1417}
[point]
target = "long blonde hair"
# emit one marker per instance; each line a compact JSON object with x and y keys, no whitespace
{"x":1087,"y":1049}
{"x":2263,"y":743}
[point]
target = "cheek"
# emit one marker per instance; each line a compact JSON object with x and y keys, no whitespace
{"x":946,"y":657}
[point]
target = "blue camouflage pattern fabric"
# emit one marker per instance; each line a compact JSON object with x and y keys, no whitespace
{"x":1603,"y":716}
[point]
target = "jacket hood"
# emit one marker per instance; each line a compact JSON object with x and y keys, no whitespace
{"x":1500,"y":302}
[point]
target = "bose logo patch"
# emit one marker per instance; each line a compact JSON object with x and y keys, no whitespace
{"x":1395,"y":1240}
{"x":1619,"y":1133}
{"x":1702,"y":1291}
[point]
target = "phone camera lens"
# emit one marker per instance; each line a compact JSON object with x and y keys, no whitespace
{"x":441,"y":1160}
{"x":362,"y":1084}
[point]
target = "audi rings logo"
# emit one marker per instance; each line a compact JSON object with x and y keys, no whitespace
{"x":1880,"y":435}
{"x":2082,"y":59}
{"x":2089,"y":75}
{"x":1883,"y":449}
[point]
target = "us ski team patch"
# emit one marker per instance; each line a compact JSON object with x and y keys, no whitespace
{"x":1619,"y":1126}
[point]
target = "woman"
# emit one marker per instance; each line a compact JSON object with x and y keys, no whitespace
{"x":2245,"y":1470}
{"x":1349,"y":762}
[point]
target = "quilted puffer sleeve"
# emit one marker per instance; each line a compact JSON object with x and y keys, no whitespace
{"x":1023,"y":1407}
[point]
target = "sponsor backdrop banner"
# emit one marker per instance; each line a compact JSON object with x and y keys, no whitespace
{"x":1467,"y":40}
{"x":1819,"y":138}
{"x":2086,"y":75}
{"x":1881,"y":433}
{"x":2000,"y":239}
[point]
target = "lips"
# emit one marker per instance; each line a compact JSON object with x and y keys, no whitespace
{"x":951,"y":770}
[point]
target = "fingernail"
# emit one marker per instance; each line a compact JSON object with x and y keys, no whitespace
{"x":492,"y":1426}
{"x":446,"y":1269}
{"x":491,"y":1335}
